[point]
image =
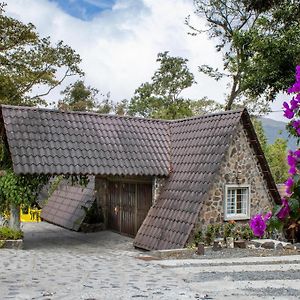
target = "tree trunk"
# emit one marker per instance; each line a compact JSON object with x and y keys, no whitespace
{"x":233,"y":94}
{"x":14,"y":220}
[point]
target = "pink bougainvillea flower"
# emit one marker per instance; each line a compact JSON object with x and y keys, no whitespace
{"x":288,"y":185}
{"x":258,"y":225}
{"x":296,"y":125}
{"x":294,"y":104}
{"x":297,"y":153}
{"x":268,"y":216}
{"x":288,"y":113}
{"x":285,"y":209}
{"x":292,"y":170}
{"x":295,"y":88}
{"x":292,"y":159}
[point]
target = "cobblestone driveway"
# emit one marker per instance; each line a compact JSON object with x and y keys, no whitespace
{"x":60,"y":264}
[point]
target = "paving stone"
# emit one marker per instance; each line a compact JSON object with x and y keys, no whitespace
{"x":240,"y":244}
{"x":268,"y":245}
{"x":279,"y":246}
{"x":289,"y":246}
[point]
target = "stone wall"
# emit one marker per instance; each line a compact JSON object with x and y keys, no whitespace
{"x":157,"y":185}
{"x":240,"y":167}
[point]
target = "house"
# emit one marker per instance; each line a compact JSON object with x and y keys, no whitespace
{"x":156,"y":180}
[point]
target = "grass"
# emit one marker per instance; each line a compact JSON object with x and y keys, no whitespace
{"x":7,"y":233}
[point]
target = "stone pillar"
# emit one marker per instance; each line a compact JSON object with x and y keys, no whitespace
{"x":14,"y":220}
{"x":157,"y":185}
{"x":101,"y":197}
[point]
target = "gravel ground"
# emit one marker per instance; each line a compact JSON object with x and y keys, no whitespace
{"x":245,"y":275}
{"x":237,"y":252}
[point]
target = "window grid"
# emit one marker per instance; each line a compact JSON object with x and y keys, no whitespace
{"x":237,"y":201}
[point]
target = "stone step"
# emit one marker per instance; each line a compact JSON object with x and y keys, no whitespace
{"x":288,"y":259}
{"x":260,"y":289}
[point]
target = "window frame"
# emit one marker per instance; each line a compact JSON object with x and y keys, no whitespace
{"x":237,"y":216}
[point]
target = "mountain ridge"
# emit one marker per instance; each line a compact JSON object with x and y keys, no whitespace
{"x":277,"y":129}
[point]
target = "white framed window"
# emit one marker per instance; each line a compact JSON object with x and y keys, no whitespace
{"x":237,"y":202}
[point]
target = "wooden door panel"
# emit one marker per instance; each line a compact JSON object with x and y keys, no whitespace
{"x":128,"y":206}
{"x":128,"y":199}
{"x":113,"y":217}
{"x":144,"y":202}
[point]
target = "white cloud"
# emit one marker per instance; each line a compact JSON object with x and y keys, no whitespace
{"x":119,"y":46}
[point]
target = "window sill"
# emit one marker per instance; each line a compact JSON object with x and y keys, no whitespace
{"x":236,"y":218}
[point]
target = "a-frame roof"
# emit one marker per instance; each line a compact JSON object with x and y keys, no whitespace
{"x":198,"y":147}
{"x":187,"y":152}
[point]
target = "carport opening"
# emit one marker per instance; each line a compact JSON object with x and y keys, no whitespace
{"x":117,"y":204}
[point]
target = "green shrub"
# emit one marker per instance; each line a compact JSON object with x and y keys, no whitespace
{"x":212,"y":231}
{"x":228,"y":229}
{"x":198,"y":237}
{"x":7,"y":233}
{"x":246,"y":232}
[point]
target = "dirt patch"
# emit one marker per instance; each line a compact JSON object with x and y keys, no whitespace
{"x":225,"y":253}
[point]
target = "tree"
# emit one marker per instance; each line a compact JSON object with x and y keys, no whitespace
{"x":276,"y":157}
{"x":259,"y":42}
{"x":261,"y":135}
{"x":121,"y":108}
{"x":204,"y":106}
{"x":161,"y":98}
{"x":27,"y":60}
{"x":262,"y":5}
{"x":78,"y":97}
{"x":275,"y":153}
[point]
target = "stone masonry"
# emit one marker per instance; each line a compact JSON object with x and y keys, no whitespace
{"x":157,"y":185}
{"x":239,"y":167}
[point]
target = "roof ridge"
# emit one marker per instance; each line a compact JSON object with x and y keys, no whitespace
{"x":124,"y":117}
{"x":53,"y":110}
{"x":227,"y":112}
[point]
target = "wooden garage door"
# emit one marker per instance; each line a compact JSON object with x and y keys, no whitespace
{"x":129,"y":204}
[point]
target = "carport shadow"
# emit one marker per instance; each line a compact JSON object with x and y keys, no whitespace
{"x":48,"y":236}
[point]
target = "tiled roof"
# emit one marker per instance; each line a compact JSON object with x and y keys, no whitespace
{"x":65,"y":207}
{"x":198,"y":147}
{"x":54,"y":142}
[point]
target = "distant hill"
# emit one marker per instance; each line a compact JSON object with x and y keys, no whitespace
{"x":274,"y":129}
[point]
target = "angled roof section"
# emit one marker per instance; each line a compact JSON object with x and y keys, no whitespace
{"x":68,"y":204}
{"x":199,"y":146}
{"x":45,"y":141}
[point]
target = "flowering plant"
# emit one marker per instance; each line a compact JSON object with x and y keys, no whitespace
{"x":288,"y":213}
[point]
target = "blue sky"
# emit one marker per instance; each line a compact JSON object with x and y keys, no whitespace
{"x":84,"y":9}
